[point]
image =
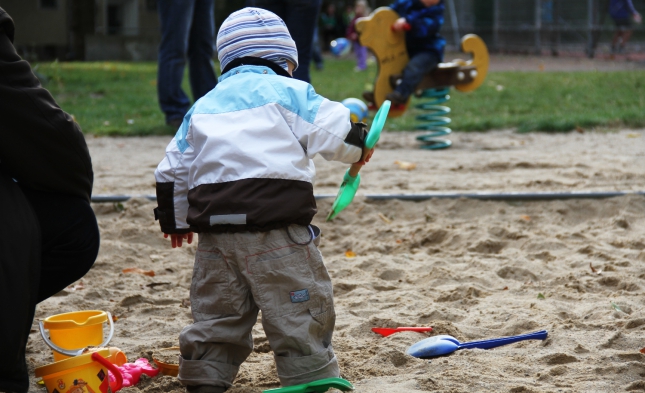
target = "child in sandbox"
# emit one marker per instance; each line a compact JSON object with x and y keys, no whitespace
{"x":421,"y":20}
{"x":240,"y":172}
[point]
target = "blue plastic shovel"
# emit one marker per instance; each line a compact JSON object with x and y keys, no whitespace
{"x":444,"y":344}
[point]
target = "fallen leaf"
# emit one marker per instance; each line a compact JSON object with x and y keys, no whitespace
{"x":382,"y":216}
{"x":399,"y":241}
{"x":525,"y":217}
{"x":592,"y":269}
{"x":642,"y":350}
{"x":633,"y":135}
{"x":350,"y":254}
{"x":115,"y":318}
{"x":540,"y":296}
{"x":408,"y":166}
{"x":150,"y":273}
{"x":580,"y":130}
{"x":77,"y":287}
{"x":505,"y":289}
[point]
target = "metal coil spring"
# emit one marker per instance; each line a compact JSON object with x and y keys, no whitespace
{"x":435,"y":120}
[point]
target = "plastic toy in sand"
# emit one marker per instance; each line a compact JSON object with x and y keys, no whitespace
{"x":131,"y":373}
{"x":319,"y":386}
{"x":390,"y":331}
{"x":389,"y":48}
{"x":445,"y":344}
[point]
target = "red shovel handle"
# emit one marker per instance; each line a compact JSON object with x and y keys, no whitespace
{"x":387,"y":331}
{"x":117,"y":373}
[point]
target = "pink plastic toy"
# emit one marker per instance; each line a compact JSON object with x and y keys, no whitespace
{"x":131,"y":372}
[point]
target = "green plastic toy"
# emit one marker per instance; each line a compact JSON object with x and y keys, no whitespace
{"x":320,"y":386}
{"x":352,"y":178}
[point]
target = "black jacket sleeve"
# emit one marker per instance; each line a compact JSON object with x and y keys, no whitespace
{"x":41,"y":146}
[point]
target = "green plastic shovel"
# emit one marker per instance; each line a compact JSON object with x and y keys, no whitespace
{"x":322,"y":385}
{"x":352,"y":178}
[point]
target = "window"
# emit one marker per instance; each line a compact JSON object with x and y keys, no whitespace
{"x":48,"y":4}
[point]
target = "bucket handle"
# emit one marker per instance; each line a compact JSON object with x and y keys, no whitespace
{"x":115,"y":371}
{"x":75,"y":352}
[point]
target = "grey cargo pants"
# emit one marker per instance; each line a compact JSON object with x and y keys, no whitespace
{"x":237,"y":274}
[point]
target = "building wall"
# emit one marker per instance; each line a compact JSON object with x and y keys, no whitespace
{"x":37,"y":26}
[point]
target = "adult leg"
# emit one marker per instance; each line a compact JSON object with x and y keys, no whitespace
{"x":175,"y":17}
{"x":300,"y":16}
{"x":301,"y":19}
{"x":361,"y":56}
{"x":215,"y":345}
{"x":200,"y":49}
{"x":70,"y":239}
{"x":419,"y":65}
{"x":19,"y":280}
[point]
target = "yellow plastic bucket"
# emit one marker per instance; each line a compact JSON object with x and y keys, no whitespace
{"x":71,"y":332}
{"x":87,"y":373}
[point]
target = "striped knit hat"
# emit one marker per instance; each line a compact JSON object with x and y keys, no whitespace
{"x":258,"y":33}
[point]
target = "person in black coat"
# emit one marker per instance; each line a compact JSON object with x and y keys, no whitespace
{"x":49,"y":237}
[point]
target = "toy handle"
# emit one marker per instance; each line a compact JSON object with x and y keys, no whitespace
{"x":75,"y":352}
{"x":374,"y":135}
{"x":115,"y":371}
{"x":498,"y":342}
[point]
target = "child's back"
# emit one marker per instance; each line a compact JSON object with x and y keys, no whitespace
{"x":240,"y":172}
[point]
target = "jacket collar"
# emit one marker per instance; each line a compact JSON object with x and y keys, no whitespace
{"x":256,"y":61}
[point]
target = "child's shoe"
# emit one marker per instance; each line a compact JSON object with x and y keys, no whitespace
{"x":396,"y":98}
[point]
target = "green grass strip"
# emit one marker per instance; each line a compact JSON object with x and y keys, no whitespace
{"x":117,"y":98}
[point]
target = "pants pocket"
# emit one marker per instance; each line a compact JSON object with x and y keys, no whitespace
{"x":209,"y":291}
{"x":283,"y":280}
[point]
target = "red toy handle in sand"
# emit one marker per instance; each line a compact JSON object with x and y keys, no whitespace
{"x":388,"y":331}
{"x":117,"y":373}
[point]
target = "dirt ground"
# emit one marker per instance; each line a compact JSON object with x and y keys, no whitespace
{"x":468,"y":268}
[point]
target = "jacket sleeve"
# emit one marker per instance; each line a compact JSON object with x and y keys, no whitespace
{"x":325,"y":128}
{"x":425,"y":22}
{"x":171,"y":178}
{"x":42,"y":147}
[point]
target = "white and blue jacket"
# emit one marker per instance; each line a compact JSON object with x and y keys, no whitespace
{"x":242,"y":158}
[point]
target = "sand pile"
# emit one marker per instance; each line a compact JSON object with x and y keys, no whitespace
{"x":472,"y":269}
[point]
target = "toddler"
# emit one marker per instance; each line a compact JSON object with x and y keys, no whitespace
{"x":240,"y":173}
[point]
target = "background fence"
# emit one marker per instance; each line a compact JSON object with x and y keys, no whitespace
{"x":536,"y":26}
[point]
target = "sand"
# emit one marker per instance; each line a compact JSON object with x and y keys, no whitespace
{"x":469,"y":268}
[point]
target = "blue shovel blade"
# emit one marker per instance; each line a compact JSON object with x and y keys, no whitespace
{"x":444,"y":344}
{"x":434,"y":346}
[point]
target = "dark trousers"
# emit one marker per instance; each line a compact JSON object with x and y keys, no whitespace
{"x":187,"y":34}
{"x":47,"y":241}
{"x":420,"y":64}
{"x":301,"y":17}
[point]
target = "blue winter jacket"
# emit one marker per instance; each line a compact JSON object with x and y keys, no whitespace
{"x":425,"y":23}
{"x":621,"y":9}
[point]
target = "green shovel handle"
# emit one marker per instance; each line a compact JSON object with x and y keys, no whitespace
{"x":350,"y":184}
{"x":377,"y":125}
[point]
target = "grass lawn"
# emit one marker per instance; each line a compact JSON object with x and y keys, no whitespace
{"x":114,"y":98}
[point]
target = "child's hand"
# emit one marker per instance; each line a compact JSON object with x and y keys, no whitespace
{"x":400,"y":25}
{"x":176,"y":239}
{"x":367,"y":154}
{"x":637,"y":18}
